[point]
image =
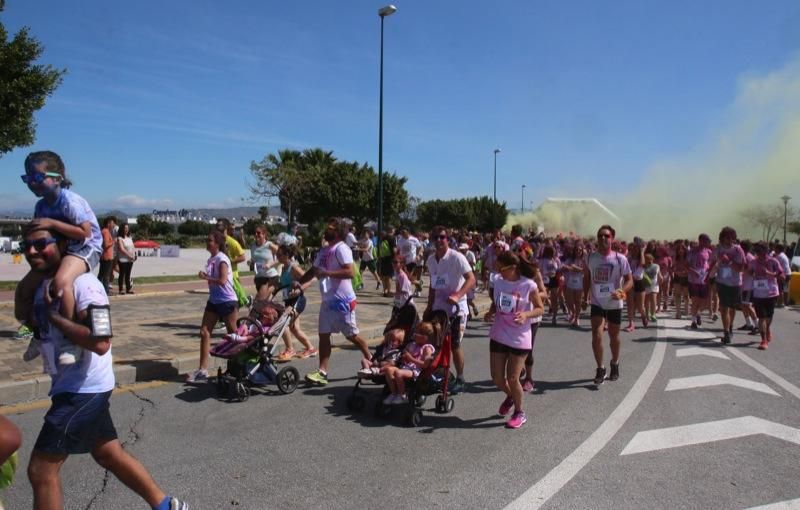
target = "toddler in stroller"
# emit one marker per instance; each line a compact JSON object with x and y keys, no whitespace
{"x":417,"y":355}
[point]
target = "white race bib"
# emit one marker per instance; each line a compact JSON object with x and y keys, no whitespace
{"x":440,"y":281}
{"x":324,"y":284}
{"x":603,"y":290}
{"x":725,"y":272}
{"x":506,"y":303}
{"x":761,"y":284}
{"x":576,"y":280}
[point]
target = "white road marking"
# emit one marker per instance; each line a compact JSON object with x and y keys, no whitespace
{"x":552,"y":482}
{"x":700,"y":381}
{"x":769,"y":374}
{"x":699,"y":351}
{"x":699,"y":433}
{"x":789,"y":504}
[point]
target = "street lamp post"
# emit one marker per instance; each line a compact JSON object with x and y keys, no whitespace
{"x":494,"y":193}
{"x":522,"y":204}
{"x":382,"y":12}
{"x":785,"y":199}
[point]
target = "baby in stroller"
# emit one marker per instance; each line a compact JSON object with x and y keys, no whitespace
{"x":417,"y":355}
{"x":386,"y":354}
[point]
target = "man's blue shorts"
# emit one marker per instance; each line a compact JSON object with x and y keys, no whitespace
{"x":75,"y":423}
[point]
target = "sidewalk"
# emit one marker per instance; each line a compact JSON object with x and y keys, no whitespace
{"x":156,"y":334}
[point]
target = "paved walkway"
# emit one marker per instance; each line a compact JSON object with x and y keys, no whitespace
{"x":156,"y":334}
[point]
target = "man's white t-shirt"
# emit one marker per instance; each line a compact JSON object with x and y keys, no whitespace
{"x":333,"y":258}
{"x":350,"y":240}
{"x":92,"y":373}
{"x":447,"y":276}
{"x":409,"y":248}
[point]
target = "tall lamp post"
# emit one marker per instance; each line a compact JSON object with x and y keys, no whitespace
{"x":494,"y":193}
{"x":382,"y":12}
{"x":785,"y":199}
{"x":522,"y":204}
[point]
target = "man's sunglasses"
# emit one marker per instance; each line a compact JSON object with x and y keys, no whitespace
{"x":441,"y":237}
{"x":37,"y":244}
{"x":38,"y":177}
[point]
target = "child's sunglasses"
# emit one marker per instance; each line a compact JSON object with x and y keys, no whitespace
{"x":38,"y":177}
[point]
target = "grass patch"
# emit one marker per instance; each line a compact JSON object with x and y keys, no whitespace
{"x":141,"y":280}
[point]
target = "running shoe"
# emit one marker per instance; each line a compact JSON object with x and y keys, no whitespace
{"x":726,"y":338}
{"x":199,"y":375}
{"x":763,"y":345}
{"x":458,"y":386}
{"x":32,"y":352}
{"x":176,"y":504}
{"x":754,"y":331}
{"x":285,"y":356}
{"x":614,"y":375}
{"x":506,"y":406}
{"x":528,"y":386}
{"x":378,"y":286}
{"x":744,"y":327}
{"x":308,"y":353}
{"x":23,"y":333}
{"x":600,"y":375}
{"x":317,"y":377}
{"x":630,"y":329}
{"x":517,"y":420}
{"x":714,"y":317}
{"x":694,"y":325}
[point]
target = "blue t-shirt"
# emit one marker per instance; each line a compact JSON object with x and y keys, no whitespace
{"x":72,"y":208}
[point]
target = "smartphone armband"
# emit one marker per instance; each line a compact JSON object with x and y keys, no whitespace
{"x":99,"y":321}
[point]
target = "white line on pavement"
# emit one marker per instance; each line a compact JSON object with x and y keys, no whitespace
{"x":789,"y":504}
{"x":701,"y":381}
{"x":707,"y":432}
{"x":780,"y":381}
{"x":699,"y":351}
{"x":553,"y":481}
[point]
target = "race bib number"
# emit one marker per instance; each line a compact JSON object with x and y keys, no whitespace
{"x":506,"y":303}
{"x":603,"y":290}
{"x":761,"y":284}
{"x":725,"y":272}
{"x":440,"y":281}
{"x":324,"y":285}
{"x":260,"y":268}
{"x":576,"y":280}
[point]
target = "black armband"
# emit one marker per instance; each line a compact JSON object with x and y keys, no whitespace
{"x":98,"y":320}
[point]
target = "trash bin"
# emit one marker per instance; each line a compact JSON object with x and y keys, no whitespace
{"x":794,"y":289}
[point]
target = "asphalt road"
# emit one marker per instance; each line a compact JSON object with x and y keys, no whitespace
{"x":690,"y":424}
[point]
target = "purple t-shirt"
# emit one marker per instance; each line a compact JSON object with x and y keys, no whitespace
{"x":607,"y":273}
{"x":510,"y":298}
{"x":72,"y":208}
{"x":220,"y":293}
{"x":334,"y":258}
{"x":726,"y":274}
{"x":765,"y":286}
{"x":698,"y":264}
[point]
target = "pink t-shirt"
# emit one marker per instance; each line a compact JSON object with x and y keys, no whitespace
{"x":333,"y":258}
{"x":607,"y":273}
{"x":575,"y":278}
{"x":698,"y":265}
{"x":765,"y":286}
{"x":404,"y":290}
{"x":510,"y":298}
{"x":549,"y":269}
{"x":417,"y":351}
{"x":637,"y":269}
{"x":726,"y":274}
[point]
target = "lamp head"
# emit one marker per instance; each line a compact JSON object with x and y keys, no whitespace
{"x":387,"y":11}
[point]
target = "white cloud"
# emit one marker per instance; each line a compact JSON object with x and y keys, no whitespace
{"x":137,"y":201}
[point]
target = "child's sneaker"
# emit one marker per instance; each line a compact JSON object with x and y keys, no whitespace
{"x":23,"y":333}
{"x":369,"y":371}
{"x":317,"y":377}
{"x":506,"y":406}
{"x":285,"y":356}
{"x":32,"y":352}
{"x":517,"y":420}
{"x":401,"y":400}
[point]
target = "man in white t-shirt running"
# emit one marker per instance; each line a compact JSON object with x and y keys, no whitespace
{"x":606,"y":279}
{"x":78,"y":420}
{"x":451,"y":280}
{"x":334,"y":269}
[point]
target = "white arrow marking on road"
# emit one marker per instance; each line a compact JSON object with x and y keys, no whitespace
{"x":699,"y":351}
{"x":780,"y":381}
{"x":699,"y":433}
{"x":789,"y":504}
{"x":701,"y":381}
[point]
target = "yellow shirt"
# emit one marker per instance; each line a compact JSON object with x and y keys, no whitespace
{"x":235,"y":251}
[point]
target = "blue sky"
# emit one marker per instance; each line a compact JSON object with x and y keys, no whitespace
{"x":166,"y":103}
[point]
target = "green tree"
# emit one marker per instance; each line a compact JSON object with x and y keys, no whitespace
{"x":144,"y":224}
{"x":194,"y":228}
{"x":477,"y":213}
{"x":263,"y":213}
{"x":24,"y":86}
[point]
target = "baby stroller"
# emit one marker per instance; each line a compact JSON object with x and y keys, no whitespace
{"x":405,"y":318}
{"x":250,"y":351}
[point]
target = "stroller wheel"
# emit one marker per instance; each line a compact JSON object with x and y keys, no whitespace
{"x":415,"y":418}
{"x":242,"y":392}
{"x":440,"y":404}
{"x":356,"y":403}
{"x":287,"y":380}
{"x":448,"y":405}
{"x":419,"y":400}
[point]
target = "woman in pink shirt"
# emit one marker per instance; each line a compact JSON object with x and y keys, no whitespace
{"x":516,"y":302}
{"x":765,"y":271}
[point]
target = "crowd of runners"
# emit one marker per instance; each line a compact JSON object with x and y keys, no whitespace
{"x":532,"y":280}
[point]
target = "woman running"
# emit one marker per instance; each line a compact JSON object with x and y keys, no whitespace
{"x":680,"y":280}
{"x":765,"y":271}
{"x":549,"y":266}
{"x":573,"y":272}
{"x":292,"y":272}
{"x":636,"y":298}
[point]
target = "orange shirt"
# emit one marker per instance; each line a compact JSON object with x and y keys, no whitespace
{"x":108,"y":245}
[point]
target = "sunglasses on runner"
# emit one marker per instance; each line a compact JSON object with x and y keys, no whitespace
{"x":37,"y":178}
{"x":440,"y":237}
{"x":37,"y":244}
